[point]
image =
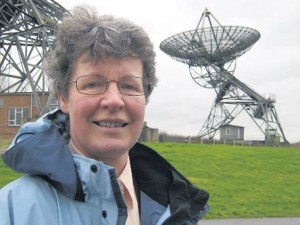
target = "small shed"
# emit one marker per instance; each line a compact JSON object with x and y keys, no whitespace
{"x":232,"y":133}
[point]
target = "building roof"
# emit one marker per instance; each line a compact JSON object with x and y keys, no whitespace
{"x":229,"y":125}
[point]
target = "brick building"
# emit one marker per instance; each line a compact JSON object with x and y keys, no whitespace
{"x":18,"y":108}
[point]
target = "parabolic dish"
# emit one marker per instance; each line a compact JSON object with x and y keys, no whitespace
{"x":216,"y":45}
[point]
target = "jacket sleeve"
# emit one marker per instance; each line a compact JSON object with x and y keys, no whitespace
{"x":6,"y":207}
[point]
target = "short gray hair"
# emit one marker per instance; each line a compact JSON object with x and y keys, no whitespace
{"x":100,"y":36}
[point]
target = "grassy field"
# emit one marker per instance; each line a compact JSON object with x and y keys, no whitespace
{"x":6,"y":175}
{"x":243,"y":181}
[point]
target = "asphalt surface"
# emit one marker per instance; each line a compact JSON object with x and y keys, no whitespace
{"x":260,"y":221}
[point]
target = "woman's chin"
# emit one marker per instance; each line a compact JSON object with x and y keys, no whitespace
{"x":110,"y":150}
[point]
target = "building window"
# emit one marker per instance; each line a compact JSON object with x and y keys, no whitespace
{"x":16,"y":116}
{"x":54,"y":104}
{"x":54,"y":101}
{"x":227,"y":131}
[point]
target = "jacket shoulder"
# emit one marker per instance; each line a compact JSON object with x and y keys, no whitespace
{"x":26,"y":184}
{"x":26,"y":190}
{"x":20,"y":198}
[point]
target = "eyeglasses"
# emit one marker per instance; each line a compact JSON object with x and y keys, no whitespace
{"x":95,"y":85}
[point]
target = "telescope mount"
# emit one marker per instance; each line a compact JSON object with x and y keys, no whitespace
{"x":211,"y":51}
{"x":27,"y":30}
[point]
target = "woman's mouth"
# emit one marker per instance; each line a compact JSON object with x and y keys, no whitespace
{"x":110,"y":124}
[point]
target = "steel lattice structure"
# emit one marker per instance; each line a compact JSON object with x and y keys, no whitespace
{"x":26,"y":33}
{"x":210,"y":51}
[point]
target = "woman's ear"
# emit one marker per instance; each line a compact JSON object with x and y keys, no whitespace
{"x":63,"y":102}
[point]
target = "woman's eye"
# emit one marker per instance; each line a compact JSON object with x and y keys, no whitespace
{"x":128,"y":86}
{"x":94,"y":84}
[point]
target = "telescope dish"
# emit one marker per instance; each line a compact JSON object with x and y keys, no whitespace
{"x":217,"y":45}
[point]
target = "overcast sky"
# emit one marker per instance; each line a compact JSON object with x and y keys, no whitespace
{"x":180,"y":106}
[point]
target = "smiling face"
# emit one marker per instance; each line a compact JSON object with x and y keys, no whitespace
{"x":104,"y":126}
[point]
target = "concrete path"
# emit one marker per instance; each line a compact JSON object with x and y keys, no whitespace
{"x":261,"y":221}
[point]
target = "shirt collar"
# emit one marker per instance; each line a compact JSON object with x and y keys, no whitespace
{"x":127,"y":180}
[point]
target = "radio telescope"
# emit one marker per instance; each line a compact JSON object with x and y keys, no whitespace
{"x":26,"y":33}
{"x":211,"y":51}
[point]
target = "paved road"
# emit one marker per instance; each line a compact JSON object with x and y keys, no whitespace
{"x":261,"y":221}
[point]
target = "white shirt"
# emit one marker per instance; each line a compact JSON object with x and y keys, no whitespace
{"x":127,"y":187}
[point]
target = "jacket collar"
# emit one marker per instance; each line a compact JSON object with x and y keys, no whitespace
{"x":40,"y":149}
{"x":152,"y":173}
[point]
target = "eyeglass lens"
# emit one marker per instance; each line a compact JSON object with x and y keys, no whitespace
{"x":92,"y":85}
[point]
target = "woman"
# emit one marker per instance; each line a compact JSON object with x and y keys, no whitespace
{"x":84,"y":163}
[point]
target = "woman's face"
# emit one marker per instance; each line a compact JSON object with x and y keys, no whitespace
{"x":107,"y":125}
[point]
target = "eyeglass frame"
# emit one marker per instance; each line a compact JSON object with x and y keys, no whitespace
{"x":145,"y":84}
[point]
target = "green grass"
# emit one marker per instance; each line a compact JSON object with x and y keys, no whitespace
{"x":6,"y":174}
{"x":243,"y":181}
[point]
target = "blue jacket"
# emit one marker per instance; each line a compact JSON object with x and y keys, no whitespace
{"x":62,"y":188}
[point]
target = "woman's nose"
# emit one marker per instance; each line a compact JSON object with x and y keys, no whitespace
{"x":112,"y":97}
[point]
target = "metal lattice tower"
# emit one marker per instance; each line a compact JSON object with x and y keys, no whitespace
{"x":26,"y":33}
{"x":210,"y":52}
